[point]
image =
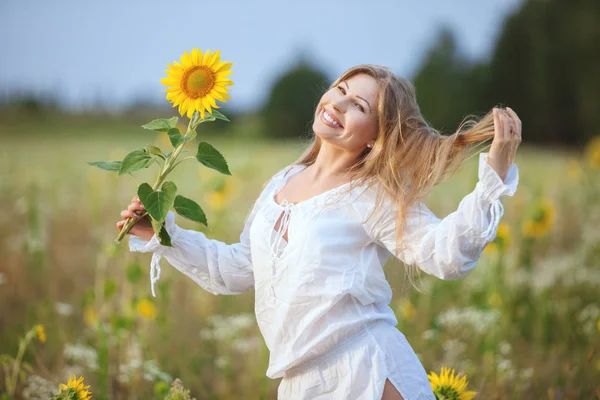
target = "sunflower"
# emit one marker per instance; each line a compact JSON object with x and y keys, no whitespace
{"x":74,"y":389}
{"x":195,"y":82}
{"x":449,"y":387}
{"x":541,"y":221}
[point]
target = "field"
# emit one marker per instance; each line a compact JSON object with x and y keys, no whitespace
{"x":524,"y":324}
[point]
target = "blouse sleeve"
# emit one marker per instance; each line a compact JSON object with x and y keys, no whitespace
{"x":450,"y":247}
{"x":217,"y":267}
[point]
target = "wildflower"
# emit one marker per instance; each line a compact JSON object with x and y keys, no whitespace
{"x":73,"y":390}
{"x":40,"y":333}
{"x":146,"y":309}
{"x":541,"y":220}
{"x":592,"y":152}
{"x":219,"y":198}
{"x":89,"y":316}
{"x":197,"y":81}
{"x":448,"y":386}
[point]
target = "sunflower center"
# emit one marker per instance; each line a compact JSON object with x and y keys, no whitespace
{"x":448,"y":392}
{"x":198,"y":81}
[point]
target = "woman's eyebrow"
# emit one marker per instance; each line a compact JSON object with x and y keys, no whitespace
{"x":359,"y":96}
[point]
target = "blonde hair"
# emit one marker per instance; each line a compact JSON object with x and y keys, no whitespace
{"x":409,"y":157}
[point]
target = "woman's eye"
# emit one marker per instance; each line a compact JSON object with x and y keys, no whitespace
{"x":341,"y":89}
{"x":361,"y":108}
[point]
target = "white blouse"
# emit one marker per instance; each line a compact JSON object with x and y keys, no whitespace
{"x":327,"y":280}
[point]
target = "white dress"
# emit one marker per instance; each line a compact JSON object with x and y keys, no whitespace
{"x":321,"y":298}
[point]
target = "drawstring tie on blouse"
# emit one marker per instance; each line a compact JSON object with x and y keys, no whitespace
{"x":274,"y":250}
{"x":154,"y":271}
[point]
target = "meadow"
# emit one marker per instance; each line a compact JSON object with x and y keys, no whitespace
{"x":524,"y":324}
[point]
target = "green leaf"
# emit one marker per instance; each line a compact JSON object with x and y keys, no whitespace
{"x":106,"y":165}
{"x":210,"y":157}
{"x":155,"y":150}
{"x":162,"y":234}
{"x":136,"y":160}
{"x":176,"y":137}
{"x":161,"y":125}
{"x":218,"y":115}
{"x":189,"y":209}
{"x":158,"y":202}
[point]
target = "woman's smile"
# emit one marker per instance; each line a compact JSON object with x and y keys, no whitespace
{"x":330,"y":120}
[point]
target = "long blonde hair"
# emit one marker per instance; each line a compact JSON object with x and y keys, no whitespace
{"x":409,"y":157}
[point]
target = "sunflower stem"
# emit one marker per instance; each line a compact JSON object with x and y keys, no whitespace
{"x":167,"y":167}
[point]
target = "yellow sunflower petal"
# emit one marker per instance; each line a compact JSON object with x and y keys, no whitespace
{"x":214,"y":59}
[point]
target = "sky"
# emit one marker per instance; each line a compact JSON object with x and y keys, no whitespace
{"x":113,"y":51}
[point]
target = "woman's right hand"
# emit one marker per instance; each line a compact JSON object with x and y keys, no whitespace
{"x":142,"y":229}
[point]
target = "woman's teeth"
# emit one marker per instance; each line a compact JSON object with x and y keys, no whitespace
{"x":329,"y":119}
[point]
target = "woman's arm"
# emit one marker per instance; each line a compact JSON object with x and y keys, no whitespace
{"x":217,"y":267}
{"x":450,"y":247}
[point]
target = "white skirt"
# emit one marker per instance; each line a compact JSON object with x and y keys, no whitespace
{"x":356,"y":369}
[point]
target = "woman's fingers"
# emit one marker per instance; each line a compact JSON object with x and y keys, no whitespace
{"x":135,"y":206}
{"x":129,"y":214}
{"x":516,"y":121}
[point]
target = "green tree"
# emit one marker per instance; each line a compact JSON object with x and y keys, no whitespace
{"x":448,"y":86}
{"x":291,"y":104}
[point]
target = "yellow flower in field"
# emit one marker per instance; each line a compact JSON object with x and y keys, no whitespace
{"x":592,"y":152}
{"x":218,"y":199}
{"x":74,"y":389}
{"x":197,"y":81}
{"x":40,"y":333}
{"x":501,"y":241}
{"x":407,"y":309}
{"x":541,"y":220}
{"x":89,"y":316}
{"x":449,"y":387}
{"x":146,"y":309}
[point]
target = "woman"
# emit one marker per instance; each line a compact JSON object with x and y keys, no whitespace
{"x":315,"y":241}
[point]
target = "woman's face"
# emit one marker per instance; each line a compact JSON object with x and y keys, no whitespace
{"x":347,"y":113}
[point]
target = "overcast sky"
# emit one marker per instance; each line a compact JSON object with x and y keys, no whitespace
{"x":116,"y":50}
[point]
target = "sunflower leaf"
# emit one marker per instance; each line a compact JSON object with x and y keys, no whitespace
{"x":155,"y":150}
{"x":210,"y":157}
{"x":176,"y":137}
{"x":136,"y":160}
{"x":158,"y":202}
{"x":189,"y":209}
{"x":161,"y":232}
{"x":218,"y":115}
{"x":107,"y":165}
{"x":161,"y":125}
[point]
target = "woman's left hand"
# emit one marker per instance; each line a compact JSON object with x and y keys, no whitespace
{"x":507,"y":138}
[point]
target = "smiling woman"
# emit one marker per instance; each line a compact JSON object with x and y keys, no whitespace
{"x":315,"y":242}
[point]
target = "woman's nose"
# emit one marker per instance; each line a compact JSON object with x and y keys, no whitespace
{"x":339,"y":104}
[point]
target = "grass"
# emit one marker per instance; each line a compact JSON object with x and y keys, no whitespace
{"x":523,"y":324}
